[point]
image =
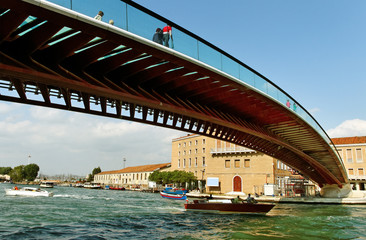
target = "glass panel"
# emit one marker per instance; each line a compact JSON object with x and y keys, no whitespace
{"x":209,"y":56}
{"x":115,"y":10}
{"x":246,"y":76}
{"x":272,"y":91}
{"x":63,"y":3}
{"x":142,"y":24}
{"x":260,"y":83}
{"x":185,"y":44}
{"x":230,"y":67}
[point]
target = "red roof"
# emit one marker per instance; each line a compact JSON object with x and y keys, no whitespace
{"x":144,"y":168}
{"x":349,"y":140}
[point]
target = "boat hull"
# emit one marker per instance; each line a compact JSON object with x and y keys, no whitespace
{"x":173,"y":196}
{"x":246,"y":208}
{"x":28,"y":193}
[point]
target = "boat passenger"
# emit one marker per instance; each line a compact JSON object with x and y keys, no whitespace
{"x":236,"y":200}
{"x":251,"y":199}
{"x":16,"y":188}
{"x":210,"y":197}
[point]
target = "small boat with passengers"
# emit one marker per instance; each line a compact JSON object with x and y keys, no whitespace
{"x":28,"y":192}
{"x":227,"y":206}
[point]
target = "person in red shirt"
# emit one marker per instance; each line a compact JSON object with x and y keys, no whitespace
{"x":167,"y":34}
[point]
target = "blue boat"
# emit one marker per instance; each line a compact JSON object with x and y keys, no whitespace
{"x":170,"y":190}
{"x":173,"y":196}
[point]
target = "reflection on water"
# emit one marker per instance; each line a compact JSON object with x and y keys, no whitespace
{"x":104,"y":214}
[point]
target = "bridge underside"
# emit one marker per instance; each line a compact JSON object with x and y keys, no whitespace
{"x":58,"y":61}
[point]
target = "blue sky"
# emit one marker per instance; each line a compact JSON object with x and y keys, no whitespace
{"x":314,"y":50}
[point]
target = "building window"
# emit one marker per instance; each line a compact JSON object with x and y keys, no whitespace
{"x":360,"y":172}
{"x":350,"y":171}
{"x":227,"y":163}
{"x":278,"y":164}
{"x":190,"y":162}
{"x":184,"y":152}
{"x":203,"y":162}
{"x":196,"y":162}
{"x":184,"y":144}
{"x":203,"y":141}
{"x":196,"y":142}
{"x":349,"y":155}
{"x":190,"y":151}
{"x":358,"y":155}
{"x":196,"y":151}
{"x":247,"y":163}
{"x":179,"y":153}
{"x":203,"y":150}
{"x":190,"y":143}
{"x":184,"y":163}
{"x":178,"y":145}
{"x":178,"y":163}
{"x":340,"y":152}
{"x":237,"y":163}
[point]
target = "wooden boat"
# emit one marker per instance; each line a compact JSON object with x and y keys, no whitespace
{"x":228,"y":207}
{"x":117,"y":188}
{"x":170,"y":190}
{"x":28,"y":192}
{"x":173,"y":196}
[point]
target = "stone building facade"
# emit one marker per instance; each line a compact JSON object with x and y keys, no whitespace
{"x":130,"y":177}
{"x":353,"y":153}
{"x":223,"y":167}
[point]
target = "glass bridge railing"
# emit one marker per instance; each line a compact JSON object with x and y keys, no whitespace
{"x":132,"y":17}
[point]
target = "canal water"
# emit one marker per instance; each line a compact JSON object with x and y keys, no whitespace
{"x":75,"y":213}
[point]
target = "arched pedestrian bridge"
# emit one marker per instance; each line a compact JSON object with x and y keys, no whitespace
{"x":55,"y":57}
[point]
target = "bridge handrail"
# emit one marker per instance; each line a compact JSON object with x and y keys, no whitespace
{"x":141,"y":21}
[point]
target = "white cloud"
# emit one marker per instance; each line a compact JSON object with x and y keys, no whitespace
{"x":349,"y":128}
{"x":67,"y":142}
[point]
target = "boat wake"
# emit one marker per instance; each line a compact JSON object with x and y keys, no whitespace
{"x":75,"y":196}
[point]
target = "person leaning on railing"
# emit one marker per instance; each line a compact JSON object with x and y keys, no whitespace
{"x":167,"y":34}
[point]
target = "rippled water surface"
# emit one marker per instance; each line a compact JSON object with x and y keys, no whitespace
{"x":105,"y":214}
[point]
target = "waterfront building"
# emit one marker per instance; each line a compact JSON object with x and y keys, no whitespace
{"x":131,"y":177}
{"x":222,"y":167}
{"x":353,"y":153}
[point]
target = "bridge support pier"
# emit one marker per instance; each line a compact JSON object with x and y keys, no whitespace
{"x":334,"y":191}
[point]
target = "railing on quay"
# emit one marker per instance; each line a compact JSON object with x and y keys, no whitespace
{"x":136,"y":19}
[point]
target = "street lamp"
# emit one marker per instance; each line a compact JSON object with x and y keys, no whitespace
{"x":124,"y":162}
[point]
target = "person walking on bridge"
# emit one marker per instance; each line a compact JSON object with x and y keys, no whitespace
{"x":167,"y":34}
{"x":99,"y":16}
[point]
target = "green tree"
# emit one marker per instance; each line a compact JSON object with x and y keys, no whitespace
{"x":156,"y":177}
{"x":96,"y":171}
{"x":91,"y":176}
{"x":5,"y":170}
{"x":176,"y":176}
{"x":31,"y":171}
{"x":17,"y":174}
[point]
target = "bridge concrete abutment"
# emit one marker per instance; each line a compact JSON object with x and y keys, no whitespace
{"x":334,"y":191}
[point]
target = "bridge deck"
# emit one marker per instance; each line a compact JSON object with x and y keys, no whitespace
{"x":101,"y":69}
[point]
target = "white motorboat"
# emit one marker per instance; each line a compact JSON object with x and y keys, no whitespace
{"x":92,"y":185}
{"x":28,"y":191}
{"x":46,"y":185}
